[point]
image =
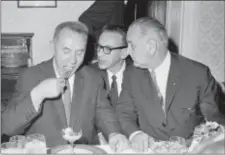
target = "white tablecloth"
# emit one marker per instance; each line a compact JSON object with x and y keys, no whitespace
{"x":110,"y":151}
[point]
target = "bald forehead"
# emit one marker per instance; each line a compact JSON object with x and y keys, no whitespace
{"x":133,"y":31}
{"x":142,"y":29}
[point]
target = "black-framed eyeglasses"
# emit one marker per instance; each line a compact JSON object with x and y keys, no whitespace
{"x":106,"y":49}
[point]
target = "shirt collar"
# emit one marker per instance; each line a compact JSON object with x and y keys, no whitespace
{"x":164,"y":64}
{"x":119,"y":73}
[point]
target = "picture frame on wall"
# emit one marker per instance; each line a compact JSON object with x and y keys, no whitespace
{"x":36,"y":4}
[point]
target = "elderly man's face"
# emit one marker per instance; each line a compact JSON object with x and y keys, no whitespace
{"x":137,"y":48}
{"x":69,"y":49}
{"x":111,"y":40}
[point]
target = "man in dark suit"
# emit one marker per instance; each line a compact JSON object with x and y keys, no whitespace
{"x":112,"y":60}
{"x":168,"y":94}
{"x":61,"y":93}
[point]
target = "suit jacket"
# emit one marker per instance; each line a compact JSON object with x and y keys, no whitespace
{"x":104,"y":74}
{"x":191,"y":94}
{"x":89,"y":103}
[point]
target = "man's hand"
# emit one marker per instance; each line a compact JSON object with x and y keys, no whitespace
{"x":50,"y":88}
{"x":118,"y":142}
{"x":140,"y":141}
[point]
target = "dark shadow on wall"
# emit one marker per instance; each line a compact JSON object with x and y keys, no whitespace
{"x":90,"y":52}
{"x":141,"y":7}
{"x":172,"y":46}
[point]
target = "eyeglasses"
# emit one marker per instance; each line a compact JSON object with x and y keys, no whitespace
{"x":106,"y":49}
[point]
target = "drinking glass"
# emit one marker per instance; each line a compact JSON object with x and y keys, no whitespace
{"x":12,"y":147}
{"x":20,"y":139}
{"x":72,"y":135}
{"x":179,"y":144}
{"x":36,"y":143}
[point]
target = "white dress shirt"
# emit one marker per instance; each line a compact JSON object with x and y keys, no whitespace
{"x":162,"y":73}
{"x":119,"y":78}
{"x":71,"y":83}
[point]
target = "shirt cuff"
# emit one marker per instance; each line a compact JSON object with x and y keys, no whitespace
{"x":36,"y":103}
{"x":102,"y":139}
{"x":36,"y":106}
{"x":134,"y":134}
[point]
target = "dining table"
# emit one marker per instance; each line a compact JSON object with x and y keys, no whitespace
{"x":204,"y":136}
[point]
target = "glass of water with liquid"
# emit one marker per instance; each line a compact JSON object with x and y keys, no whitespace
{"x":35,"y":143}
{"x":12,"y":147}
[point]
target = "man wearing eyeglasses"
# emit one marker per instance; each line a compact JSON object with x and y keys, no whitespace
{"x":112,"y":60}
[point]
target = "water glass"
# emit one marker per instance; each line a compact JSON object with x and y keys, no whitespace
{"x":12,"y":147}
{"x":36,"y":143}
{"x":20,"y":139}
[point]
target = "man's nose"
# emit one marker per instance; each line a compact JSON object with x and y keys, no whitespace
{"x":100,"y":52}
{"x":73,"y":59}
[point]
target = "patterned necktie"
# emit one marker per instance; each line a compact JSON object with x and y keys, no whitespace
{"x":67,"y":101}
{"x":160,"y":97}
{"x":114,"y":91}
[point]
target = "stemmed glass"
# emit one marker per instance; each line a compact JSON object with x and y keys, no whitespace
{"x":72,"y":135}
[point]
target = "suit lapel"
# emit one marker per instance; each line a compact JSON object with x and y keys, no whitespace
{"x":173,"y":81}
{"x":154,"y":111}
{"x":49,"y":72}
{"x":106,"y":79}
{"x":77,"y":100}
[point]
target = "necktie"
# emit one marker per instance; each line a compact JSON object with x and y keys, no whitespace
{"x":67,"y":101}
{"x":160,"y":97}
{"x":114,"y":91}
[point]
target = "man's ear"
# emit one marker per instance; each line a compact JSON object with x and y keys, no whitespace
{"x":52,"y":46}
{"x":151,"y":46}
{"x":124,"y":53}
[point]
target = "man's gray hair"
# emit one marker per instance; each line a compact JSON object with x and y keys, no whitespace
{"x":74,"y":26}
{"x":147,"y":24}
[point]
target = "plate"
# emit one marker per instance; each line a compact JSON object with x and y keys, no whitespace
{"x":79,"y":148}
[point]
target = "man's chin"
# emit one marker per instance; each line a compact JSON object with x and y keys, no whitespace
{"x":101,"y":66}
{"x":139,"y":66}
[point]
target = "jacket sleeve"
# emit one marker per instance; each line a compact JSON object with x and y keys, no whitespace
{"x":126,"y":110}
{"x":20,"y":111}
{"x":210,"y":98}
